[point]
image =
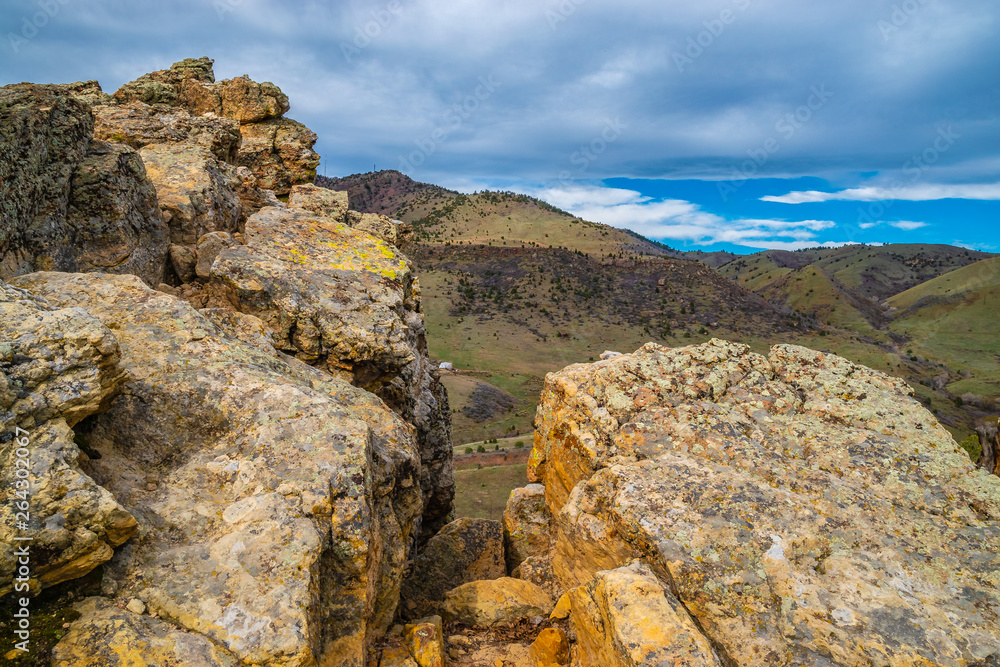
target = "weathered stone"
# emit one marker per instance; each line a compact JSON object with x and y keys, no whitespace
{"x":183,"y":260}
{"x":209,"y":247}
{"x":69,"y":203}
{"x":244,"y":328}
{"x":196,"y":192}
{"x":394,"y":232}
{"x":550,"y":648}
{"x":136,"y":606}
{"x":284,"y":501}
{"x":562,"y":608}
{"x":58,"y":367}
{"x":181,"y":85}
{"x":464,"y":550}
{"x":805,"y":509}
{"x":139,"y":125}
{"x":538,"y":570}
{"x":107,"y":636}
{"x":349,"y":303}
{"x":526,"y":525}
{"x":425,"y":641}
{"x":334,"y":297}
{"x":395,"y":654}
{"x":89,"y":92}
{"x":989,"y":440}
{"x":244,"y":100}
{"x":624,"y":618}
{"x":495,"y":601}
{"x":320,"y":201}
{"x":279,"y":152}
{"x":252,"y":197}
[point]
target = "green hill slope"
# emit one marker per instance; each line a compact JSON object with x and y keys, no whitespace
{"x":956,"y":318}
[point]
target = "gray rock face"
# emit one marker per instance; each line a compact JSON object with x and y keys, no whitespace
{"x":58,"y":366}
{"x":346,"y":302}
{"x":70,"y":203}
{"x":196,"y":192}
{"x":277,"y":150}
{"x":139,"y":125}
{"x":276,"y":503}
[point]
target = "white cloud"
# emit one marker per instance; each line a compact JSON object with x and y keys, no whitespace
{"x":679,"y":220}
{"x":923,"y":192}
{"x":905,"y":225}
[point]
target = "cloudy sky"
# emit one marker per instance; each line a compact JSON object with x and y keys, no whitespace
{"x":735,"y":124}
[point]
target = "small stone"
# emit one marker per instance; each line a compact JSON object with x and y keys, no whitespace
{"x":562,"y":608}
{"x":136,"y":606}
{"x":550,"y":648}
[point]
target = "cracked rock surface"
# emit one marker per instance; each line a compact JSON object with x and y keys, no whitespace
{"x":801,"y":509}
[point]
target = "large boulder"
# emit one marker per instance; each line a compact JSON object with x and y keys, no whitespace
{"x":495,"y":601}
{"x":277,"y":150}
{"x":57,"y":367}
{"x":801,"y":508}
{"x":464,"y":550}
{"x":348,"y":303}
{"x":196,"y":192}
{"x":191,"y":83}
{"x":276,"y":503}
{"x":69,"y":203}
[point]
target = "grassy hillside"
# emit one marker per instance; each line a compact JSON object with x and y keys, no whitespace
{"x":846,"y":287}
{"x":956,"y":317}
{"x":514,"y":288}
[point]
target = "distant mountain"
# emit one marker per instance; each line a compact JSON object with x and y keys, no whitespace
{"x":514,"y":288}
{"x":846,"y":286}
{"x":383,"y":192}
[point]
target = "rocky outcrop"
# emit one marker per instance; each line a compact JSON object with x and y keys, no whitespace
{"x":276,"y":503}
{"x":277,"y":150}
{"x":70,"y":203}
{"x":801,"y":509}
{"x":139,"y":125}
{"x":464,"y":550}
{"x":57,"y":367}
{"x":346,"y":302}
{"x":191,"y":84}
{"x":279,"y":153}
